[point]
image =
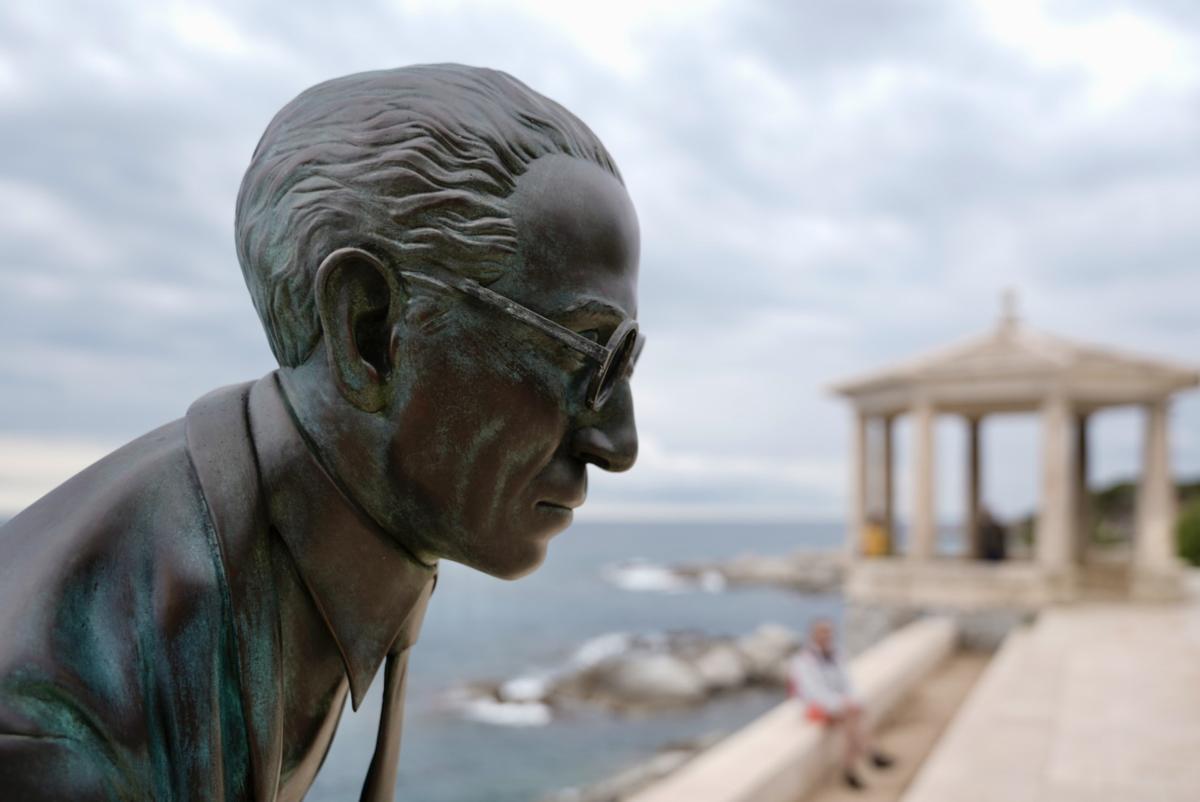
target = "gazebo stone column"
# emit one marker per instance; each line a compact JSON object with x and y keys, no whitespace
{"x":889,"y":483}
{"x":1154,"y":551}
{"x":1055,"y":539}
{"x":858,"y":486}
{"x":922,"y":532}
{"x":974,"y":506}
{"x":1084,"y":522}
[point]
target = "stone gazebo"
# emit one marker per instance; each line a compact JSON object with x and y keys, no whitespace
{"x":1011,"y":369}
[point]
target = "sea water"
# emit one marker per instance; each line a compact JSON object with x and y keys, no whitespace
{"x":479,"y":628}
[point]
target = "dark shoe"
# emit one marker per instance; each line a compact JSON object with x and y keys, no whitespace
{"x":853,"y":781}
{"x":881,"y":761}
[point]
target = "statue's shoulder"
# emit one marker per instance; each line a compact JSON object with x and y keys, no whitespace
{"x":133,"y":530}
{"x":151,"y":486}
{"x":114,"y":613}
{"x":107,"y":498}
{"x":133,"y":525}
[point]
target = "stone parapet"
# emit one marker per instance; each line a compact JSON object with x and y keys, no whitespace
{"x":781,"y":755}
{"x":959,"y":584}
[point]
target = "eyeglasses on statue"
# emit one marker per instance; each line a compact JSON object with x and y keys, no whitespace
{"x":613,"y":360}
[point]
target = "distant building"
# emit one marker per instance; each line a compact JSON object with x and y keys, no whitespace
{"x":1010,"y":369}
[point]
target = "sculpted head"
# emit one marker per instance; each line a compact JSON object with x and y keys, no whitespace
{"x":374,"y":208}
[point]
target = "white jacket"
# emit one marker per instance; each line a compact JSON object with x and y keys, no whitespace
{"x":822,"y":683}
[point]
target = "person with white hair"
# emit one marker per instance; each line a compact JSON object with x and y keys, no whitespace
{"x":820,"y":680}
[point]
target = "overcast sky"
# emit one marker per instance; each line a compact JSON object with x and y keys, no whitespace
{"x":822,"y":187}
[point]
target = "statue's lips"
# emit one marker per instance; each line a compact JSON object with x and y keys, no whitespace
{"x":568,"y":500}
{"x":556,"y":506}
{"x":563,"y":493}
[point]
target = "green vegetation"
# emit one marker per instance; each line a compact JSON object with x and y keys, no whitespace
{"x":1113,"y":511}
{"x":1189,"y":532}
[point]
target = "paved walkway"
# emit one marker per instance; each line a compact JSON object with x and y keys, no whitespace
{"x":912,"y":732}
{"x":1094,"y":703}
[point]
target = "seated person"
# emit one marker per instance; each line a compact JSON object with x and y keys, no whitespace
{"x":993,"y":537}
{"x":820,"y":680}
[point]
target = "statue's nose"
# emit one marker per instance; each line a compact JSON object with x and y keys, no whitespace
{"x":610,"y":443}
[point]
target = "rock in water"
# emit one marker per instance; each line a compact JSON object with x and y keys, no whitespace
{"x":637,"y":673}
{"x":646,"y":680}
{"x":765,"y":650}
{"x":722,"y":667}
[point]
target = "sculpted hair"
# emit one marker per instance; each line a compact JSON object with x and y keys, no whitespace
{"x":412,"y":164}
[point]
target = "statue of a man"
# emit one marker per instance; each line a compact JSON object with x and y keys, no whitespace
{"x":445,"y":263}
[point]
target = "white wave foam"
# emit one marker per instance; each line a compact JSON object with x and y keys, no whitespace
{"x":508,"y":714}
{"x":599,"y":648}
{"x":645,"y":577}
{"x":529,"y":688}
{"x":642,"y":576}
{"x":712,"y":581}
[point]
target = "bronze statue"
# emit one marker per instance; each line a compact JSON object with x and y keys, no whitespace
{"x":445,"y":263}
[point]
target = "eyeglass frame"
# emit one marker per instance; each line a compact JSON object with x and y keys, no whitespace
{"x":605,"y":355}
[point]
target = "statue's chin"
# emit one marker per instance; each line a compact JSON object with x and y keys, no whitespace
{"x":520,"y":556}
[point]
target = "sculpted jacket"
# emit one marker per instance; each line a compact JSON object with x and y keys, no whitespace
{"x":140,"y":641}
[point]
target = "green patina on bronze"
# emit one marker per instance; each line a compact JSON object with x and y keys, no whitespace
{"x":186,"y":618}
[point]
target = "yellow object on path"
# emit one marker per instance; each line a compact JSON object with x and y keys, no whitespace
{"x":876,"y":540}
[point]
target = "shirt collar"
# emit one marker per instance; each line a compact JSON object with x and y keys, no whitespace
{"x":821,"y":654}
{"x":370,"y":591}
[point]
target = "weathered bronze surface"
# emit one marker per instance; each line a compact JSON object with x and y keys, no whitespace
{"x":445,"y":263}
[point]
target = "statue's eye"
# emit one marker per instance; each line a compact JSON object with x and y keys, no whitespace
{"x":592,"y":334}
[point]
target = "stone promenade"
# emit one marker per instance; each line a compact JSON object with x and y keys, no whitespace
{"x":1093,"y":703}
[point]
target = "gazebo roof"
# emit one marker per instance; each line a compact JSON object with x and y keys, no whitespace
{"x":1015,"y":368}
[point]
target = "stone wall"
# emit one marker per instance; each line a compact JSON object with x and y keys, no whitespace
{"x":782,"y":755}
{"x":866,"y":624}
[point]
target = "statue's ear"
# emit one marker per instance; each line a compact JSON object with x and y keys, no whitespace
{"x":358,"y":299}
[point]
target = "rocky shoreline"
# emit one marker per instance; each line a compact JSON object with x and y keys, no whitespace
{"x":628,"y":674}
{"x":801,"y":571}
{"x":635,"y":674}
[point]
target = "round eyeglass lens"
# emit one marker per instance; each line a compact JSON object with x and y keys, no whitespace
{"x":621,"y":349}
